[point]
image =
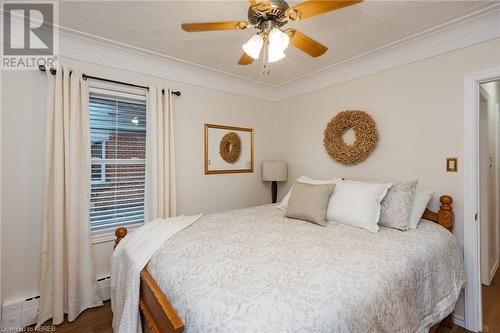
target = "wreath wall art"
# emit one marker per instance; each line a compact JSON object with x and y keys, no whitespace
{"x":230,"y":147}
{"x":366,"y":140}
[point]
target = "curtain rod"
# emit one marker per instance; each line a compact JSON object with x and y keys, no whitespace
{"x":85,"y":77}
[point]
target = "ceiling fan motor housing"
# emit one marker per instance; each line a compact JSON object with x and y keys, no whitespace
{"x":272,"y":11}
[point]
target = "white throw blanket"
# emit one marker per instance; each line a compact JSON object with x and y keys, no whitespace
{"x":129,"y":258}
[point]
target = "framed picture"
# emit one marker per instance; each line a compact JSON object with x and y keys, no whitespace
{"x":228,"y":149}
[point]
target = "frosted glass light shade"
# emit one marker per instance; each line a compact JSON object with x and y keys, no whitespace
{"x":275,"y":55}
{"x":253,"y":46}
{"x":278,"y":42}
{"x":278,"y":39}
{"x":274,"y":171}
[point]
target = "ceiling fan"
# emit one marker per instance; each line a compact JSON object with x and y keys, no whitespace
{"x":269,"y":17}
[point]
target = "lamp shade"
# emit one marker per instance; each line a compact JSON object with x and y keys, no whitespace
{"x":274,"y":171}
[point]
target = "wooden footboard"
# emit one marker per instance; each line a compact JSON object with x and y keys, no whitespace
{"x":159,"y":316}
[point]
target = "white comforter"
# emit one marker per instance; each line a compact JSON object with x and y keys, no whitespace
{"x":253,"y":270}
{"x":129,"y":258}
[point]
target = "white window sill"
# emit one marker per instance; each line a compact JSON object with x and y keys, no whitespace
{"x":105,"y":236}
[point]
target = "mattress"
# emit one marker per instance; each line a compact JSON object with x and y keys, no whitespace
{"x":254,"y":270}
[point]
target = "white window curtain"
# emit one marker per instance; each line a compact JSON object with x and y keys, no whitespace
{"x":68,"y":282}
{"x":160,"y":199}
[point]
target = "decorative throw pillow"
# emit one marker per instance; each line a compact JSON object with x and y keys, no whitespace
{"x":357,"y":204}
{"x":420,"y":203}
{"x":396,"y":206}
{"x":308,"y":202}
{"x":306,"y":180}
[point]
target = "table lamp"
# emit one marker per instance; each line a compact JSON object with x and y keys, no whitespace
{"x":274,"y":172}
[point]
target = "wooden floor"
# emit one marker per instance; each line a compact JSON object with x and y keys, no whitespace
{"x":98,"y":320}
{"x":491,"y":306}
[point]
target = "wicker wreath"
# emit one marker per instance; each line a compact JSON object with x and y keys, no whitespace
{"x":230,"y":147}
{"x":366,"y":137}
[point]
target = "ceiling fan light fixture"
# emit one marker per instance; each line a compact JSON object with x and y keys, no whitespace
{"x":254,"y":46}
{"x":268,"y":17}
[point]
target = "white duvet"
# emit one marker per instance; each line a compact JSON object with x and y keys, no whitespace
{"x":253,"y":270}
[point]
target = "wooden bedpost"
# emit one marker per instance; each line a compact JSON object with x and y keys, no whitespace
{"x":446,"y":217}
{"x":120,"y":233}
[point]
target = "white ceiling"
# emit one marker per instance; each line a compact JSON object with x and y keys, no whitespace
{"x":348,"y":32}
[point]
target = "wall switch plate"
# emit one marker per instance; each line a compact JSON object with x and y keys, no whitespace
{"x":452,"y":164}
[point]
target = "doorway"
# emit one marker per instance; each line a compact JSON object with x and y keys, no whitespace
{"x":471,"y":226}
{"x":489,"y":176}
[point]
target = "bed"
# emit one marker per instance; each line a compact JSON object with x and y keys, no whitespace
{"x":254,"y":270}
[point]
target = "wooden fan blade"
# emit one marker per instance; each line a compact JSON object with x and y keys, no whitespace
{"x":306,"y":44}
{"x":260,"y":3}
{"x":245,"y":59}
{"x":213,"y":26}
{"x":312,"y":8}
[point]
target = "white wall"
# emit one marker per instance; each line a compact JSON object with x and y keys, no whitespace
{"x":22,"y":120}
{"x":419,"y":113}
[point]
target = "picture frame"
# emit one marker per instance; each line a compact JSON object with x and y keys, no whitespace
{"x":228,"y":149}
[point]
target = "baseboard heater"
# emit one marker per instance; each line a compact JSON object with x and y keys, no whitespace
{"x":19,"y":314}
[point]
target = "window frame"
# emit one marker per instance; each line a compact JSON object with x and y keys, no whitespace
{"x":114,"y":91}
{"x":102,"y":163}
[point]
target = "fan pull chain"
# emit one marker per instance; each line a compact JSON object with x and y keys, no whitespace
{"x":266,"y":70}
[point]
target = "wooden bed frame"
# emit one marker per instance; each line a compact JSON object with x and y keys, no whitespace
{"x":159,"y":316}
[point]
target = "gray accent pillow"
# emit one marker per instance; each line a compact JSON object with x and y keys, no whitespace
{"x":396,"y":207}
{"x":309,"y":202}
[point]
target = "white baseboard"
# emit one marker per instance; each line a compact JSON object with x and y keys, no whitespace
{"x":493,"y":272}
{"x":459,"y":320}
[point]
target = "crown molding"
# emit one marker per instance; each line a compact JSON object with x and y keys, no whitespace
{"x":132,"y":59}
{"x":472,"y":29}
{"x":476,"y":28}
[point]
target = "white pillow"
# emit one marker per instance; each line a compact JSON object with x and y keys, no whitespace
{"x":420,"y":202}
{"x":306,"y":180}
{"x":357,"y":204}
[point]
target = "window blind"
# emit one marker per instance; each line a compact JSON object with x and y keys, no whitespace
{"x":118,"y":155}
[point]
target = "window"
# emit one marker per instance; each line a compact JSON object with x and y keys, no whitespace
{"x":118,"y":155}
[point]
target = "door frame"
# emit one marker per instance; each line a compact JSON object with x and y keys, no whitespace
{"x":473,"y":318}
